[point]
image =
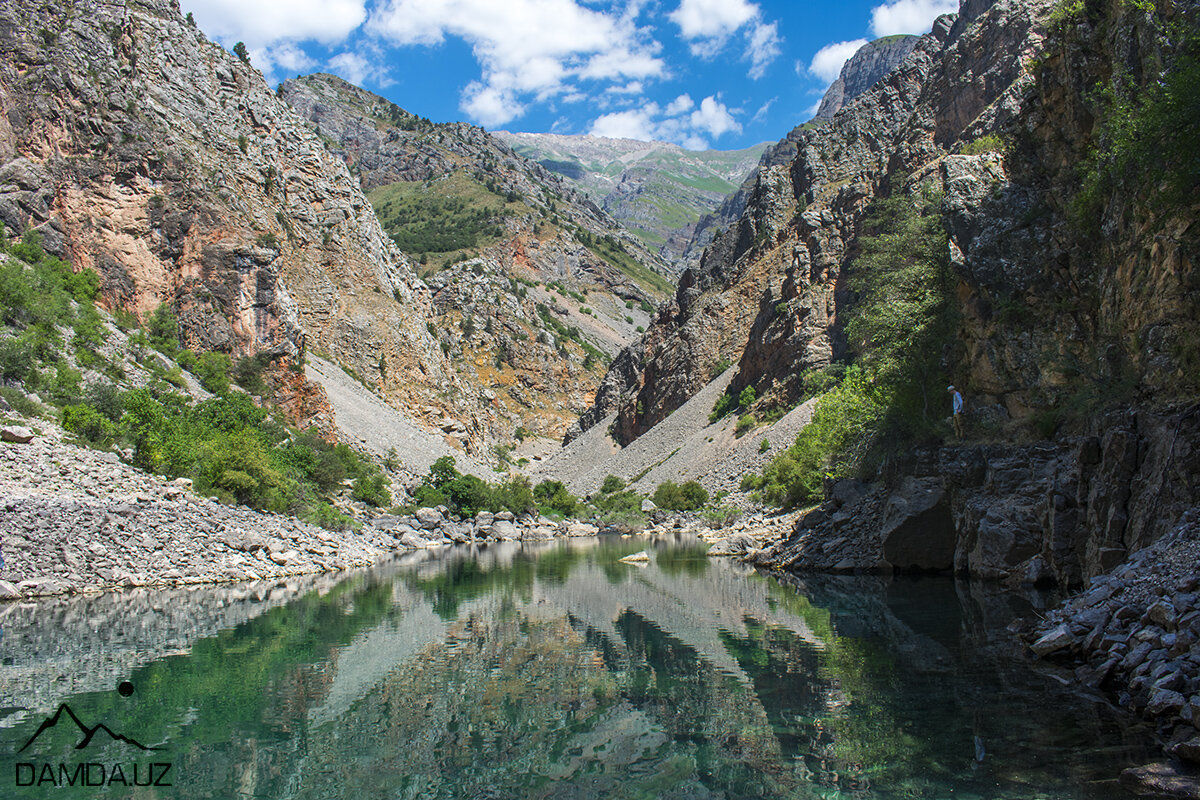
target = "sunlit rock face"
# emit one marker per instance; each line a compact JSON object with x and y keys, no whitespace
{"x":141,"y":149}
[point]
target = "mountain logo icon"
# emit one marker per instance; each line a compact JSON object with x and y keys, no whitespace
{"x":89,"y":733}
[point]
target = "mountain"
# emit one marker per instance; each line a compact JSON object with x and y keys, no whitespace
{"x":533,"y":287}
{"x":1066,"y":305}
{"x":144,"y":151}
{"x":138,"y":148}
{"x":658,"y":191}
{"x":863,"y":70}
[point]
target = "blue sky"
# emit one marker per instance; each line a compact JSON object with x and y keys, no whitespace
{"x":700,"y":73}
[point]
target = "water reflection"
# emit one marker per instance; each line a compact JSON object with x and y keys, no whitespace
{"x":558,"y":672}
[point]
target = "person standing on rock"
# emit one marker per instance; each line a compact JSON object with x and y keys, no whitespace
{"x":956,"y":400}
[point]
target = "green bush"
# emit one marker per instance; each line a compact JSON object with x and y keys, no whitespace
{"x":552,"y":497}
{"x":835,"y":442}
{"x":745,"y":424}
{"x":620,"y":508}
{"x":688,"y":496}
{"x":612,"y":484}
{"x":725,"y":404}
{"x":163,"y":329}
{"x":372,"y":489}
{"x":212,"y":369}
{"x":89,"y":424}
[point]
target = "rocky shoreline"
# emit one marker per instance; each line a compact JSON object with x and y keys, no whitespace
{"x":77,"y":521}
{"x":1135,"y":635}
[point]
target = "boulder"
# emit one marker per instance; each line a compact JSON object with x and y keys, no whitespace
{"x":918,"y":528}
{"x":1188,"y":751}
{"x":1165,"y":702}
{"x":17,"y":434}
{"x":1053,"y":640}
{"x":1162,"y":779}
{"x":504,"y":529}
{"x":736,"y":545}
{"x":8,"y":591}
{"x":640,"y":557}
{"x":428,"y":518}
{"x":411,"y":540}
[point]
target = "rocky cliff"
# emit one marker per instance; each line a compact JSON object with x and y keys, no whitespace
{"x":1071,"y":297}
{"x":863,"y":70}
{"x":141,"y":149}
{"x":491,"y":230}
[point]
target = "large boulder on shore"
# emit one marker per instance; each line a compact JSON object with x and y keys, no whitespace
{"x":918,"y":528}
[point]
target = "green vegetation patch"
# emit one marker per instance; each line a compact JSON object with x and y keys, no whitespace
{"x":454,"y":213}
{"x":892,"y":395}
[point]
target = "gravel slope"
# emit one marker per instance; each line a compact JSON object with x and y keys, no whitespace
{"x":684,"y":446}
{"x":366,"y":420}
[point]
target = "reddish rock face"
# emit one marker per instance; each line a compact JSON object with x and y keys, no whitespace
{"x":142,"y":150}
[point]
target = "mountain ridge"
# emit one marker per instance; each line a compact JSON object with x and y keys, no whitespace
{"x":658,"y":190}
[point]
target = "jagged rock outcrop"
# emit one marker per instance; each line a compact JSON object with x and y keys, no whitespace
{"x":539,"y":231}
{"x":995,"y":110}
{"x":863,"y":70}
{"x":1059,"y":512}
{"x":141,"y":149}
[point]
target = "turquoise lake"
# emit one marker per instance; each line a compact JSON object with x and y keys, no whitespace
{"x":553,"y":671}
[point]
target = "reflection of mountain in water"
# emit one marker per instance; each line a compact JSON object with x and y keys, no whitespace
{"x":556,"y":671}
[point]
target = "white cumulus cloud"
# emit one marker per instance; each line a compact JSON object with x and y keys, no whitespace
{"x":681,"y":122}
{"x":714,"y":118}
{"x":265,"y":22}
{"x":708,"y":25}
{"x":827,"y":63}
{"x":909,"y":16}
{"x":525,"y":48}
{"x":710,"y":19}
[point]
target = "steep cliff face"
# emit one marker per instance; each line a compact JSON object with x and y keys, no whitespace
{"x":1060,"y":311}
{"x":142,"y":150}
{"x":502,"y":243}
{"x":863,"y":70}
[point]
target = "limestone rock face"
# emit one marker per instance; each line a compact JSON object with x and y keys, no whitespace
{"x":863,"y":69}
{"x":995,"y":110}
{"x":485,"y":310}
{"x":142,"y":150}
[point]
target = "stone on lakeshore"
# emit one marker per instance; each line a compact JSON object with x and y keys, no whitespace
{"x":286,"y":558}
{"x":428,"y":518}
{"x":537,"y":533}
{"x":8,"y":591}
{"x":1165,"y":702}
{"x":504,"y":529}
{"x":918,"y":528}
{"x":1162,"y":779}
{"x":1162,"y":614}
{"x":1187,"y":751}
{"x":504,"y":516}
{"x":576,"y":528}
{"x":411,"y":540}
{"x":736,"y":545}
{"x":1052,"y":641}
{"x":17,"y":434}
{"x":648,"y":506}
